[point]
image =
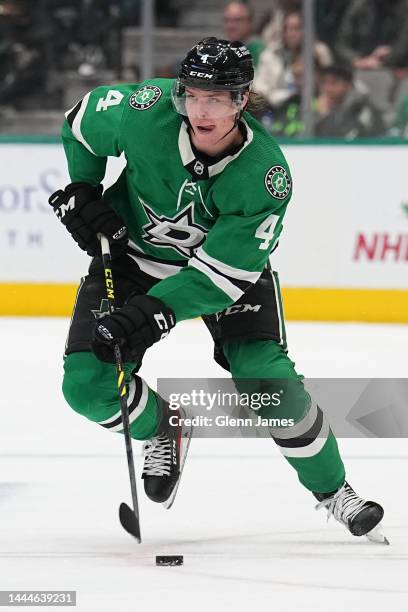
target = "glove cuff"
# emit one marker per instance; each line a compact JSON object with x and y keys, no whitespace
{"x":95,"y":190}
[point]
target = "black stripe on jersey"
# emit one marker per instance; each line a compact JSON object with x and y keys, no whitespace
{"x":135,"y":403}
{"x":243,"y":285}
{"x":71,"y":116}
{"x":169,"y":262}
{"x":306,"y":438}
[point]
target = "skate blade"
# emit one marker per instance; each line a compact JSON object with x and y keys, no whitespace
{"x":185,"y":444}
{"x":376,"y":536}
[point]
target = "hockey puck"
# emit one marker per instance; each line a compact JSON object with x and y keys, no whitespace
{"x":169,"y":560}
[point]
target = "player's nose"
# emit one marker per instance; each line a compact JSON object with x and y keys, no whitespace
{"x":202,"y":109}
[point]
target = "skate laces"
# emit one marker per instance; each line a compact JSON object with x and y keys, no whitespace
{"x":344,"y":505}
{"x":157,"y":454}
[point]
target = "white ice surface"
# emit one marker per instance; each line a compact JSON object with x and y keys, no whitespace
{"x":248,"y":531}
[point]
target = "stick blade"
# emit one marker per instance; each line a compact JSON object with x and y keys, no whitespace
{"x":129,"y":521}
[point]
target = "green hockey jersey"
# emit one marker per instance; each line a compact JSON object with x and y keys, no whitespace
{"x":204,"y":226}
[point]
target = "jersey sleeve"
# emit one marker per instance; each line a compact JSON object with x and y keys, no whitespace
{"x":232,"y":258}
{"x":92,"y":132}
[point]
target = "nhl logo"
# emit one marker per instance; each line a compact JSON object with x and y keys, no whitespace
{"x":199,"y":168}
{"x":145,"y":97}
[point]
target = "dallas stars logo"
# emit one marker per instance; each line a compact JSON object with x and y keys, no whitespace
{"x":278,"y":182}
{"x":178,"y":232}
{"x":103,"y":309}
{"x":145,"y":97}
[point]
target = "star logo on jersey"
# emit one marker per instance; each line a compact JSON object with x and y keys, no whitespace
{"x":278,"y":182}
{"x":178,"y":232}
{"x":103,"y":310}
{"x":145,"y":97}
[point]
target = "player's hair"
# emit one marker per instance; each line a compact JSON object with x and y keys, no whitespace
{"x":256,"y":102}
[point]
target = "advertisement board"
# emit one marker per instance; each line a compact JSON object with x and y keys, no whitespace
{"x":343,"y":254}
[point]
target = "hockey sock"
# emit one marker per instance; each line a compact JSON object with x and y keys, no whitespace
{"x":308,"y":445}
{"x":90,"y":388}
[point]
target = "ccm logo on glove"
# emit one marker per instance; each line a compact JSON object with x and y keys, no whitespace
{"x":62,"y":208}
{"x":162,"y":323}
{"x":142,"y":321}
{"x":85,"y":214}
{"x":105,"y":333}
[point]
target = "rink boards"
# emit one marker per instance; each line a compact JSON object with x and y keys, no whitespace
{"x":343,"y":254}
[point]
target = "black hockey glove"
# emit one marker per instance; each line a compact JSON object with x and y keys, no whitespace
{"x":83,"y":212}
{"x":142,"y":321}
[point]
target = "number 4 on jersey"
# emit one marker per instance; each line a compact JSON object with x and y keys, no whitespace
{"x":266,"y":230}
{"x":113,"y":98}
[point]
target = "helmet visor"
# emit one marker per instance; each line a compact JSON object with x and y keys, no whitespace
{"x":206,"y":104}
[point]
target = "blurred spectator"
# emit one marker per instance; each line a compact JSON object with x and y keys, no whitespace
{"x":272,"y":25}
{"x":285,"y":120}
{"x":399,"y":127}
{"x":329,"y":14}
{"x":131,"y":12}
{"x":274,"y":79}
{"x":239,"y":25}
{"x":374,"y":34}
{"x":342,"y":110}
{"x":166,"y":12}
{"x":86,"y":34}
{"x":22,"y":45}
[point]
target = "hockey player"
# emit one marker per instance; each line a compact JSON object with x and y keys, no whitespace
{"x":192,"y":221}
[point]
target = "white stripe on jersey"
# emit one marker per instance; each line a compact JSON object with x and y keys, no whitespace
{"x":76,"y":124}
{"x":278,"y":309}
{"x":156,"y":269}
{"x":224,"y":268}
{"x":220,"y":281}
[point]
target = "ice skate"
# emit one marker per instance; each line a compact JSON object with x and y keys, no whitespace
{"x":165,"y":455}
{"x":359,"y":516}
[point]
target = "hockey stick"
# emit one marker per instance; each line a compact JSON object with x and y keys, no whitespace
{"x":129,"y":518}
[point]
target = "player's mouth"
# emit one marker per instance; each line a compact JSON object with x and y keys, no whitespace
{"x":205,"y":129}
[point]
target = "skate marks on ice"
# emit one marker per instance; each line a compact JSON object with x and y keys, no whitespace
{"x":239,"y":549}
{"x":240,"y":557}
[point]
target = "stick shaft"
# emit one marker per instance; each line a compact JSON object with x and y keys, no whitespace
{"x":110,"y":293}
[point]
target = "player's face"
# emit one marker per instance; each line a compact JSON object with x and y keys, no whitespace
{"x":211,"y":114}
